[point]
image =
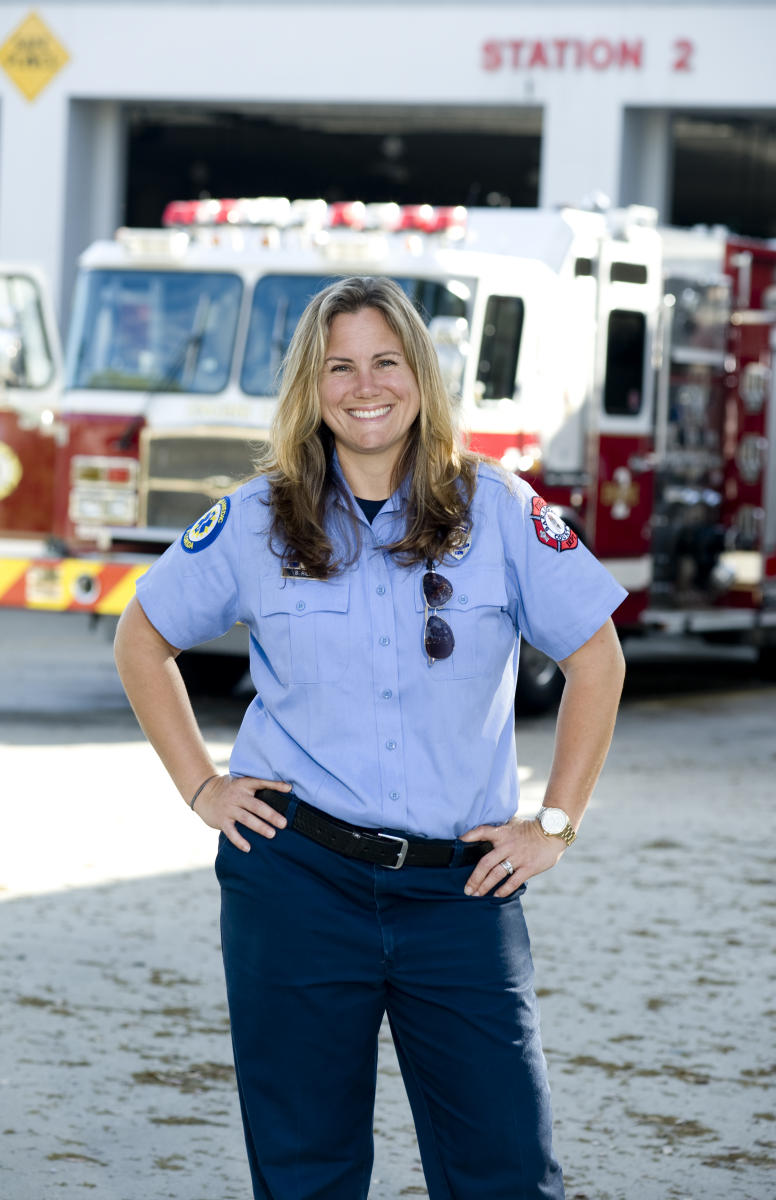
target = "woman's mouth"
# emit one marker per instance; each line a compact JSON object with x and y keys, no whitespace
{"x":369,"y":414}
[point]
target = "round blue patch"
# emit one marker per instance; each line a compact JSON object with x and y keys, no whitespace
{"x":205,"y":531}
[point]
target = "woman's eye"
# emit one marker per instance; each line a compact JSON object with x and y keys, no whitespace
{"x":387,"y":362}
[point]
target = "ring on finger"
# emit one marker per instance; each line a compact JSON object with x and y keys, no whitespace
{"x":506,"y":864}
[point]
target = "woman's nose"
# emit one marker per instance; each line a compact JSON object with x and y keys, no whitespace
{"x":365,"y":382}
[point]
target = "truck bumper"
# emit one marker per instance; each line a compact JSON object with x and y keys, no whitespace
{"x":69,"y":584}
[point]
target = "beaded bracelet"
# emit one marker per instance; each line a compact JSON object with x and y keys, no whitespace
{"x":201,"y":786}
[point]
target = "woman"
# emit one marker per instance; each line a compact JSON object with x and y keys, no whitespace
{"x":370,"y":858}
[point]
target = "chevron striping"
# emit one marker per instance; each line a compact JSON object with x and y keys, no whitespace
{"x":11,"y":571}
{"x":118,"y":596}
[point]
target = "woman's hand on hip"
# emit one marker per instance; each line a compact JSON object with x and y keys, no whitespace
{"x":226,"y":800}
{"x":520,"y":844}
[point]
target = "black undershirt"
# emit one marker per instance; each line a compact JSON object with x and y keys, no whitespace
{"x":370,"y":508}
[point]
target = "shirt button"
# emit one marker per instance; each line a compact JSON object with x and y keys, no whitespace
{"x":387,"y":694}
{"x":300,"y":604}
{"x":380,"y":590}
{"x":385,"y":641}
{"x":463,"y":599}
{"x":393,"y":795}
{"x":391,"y":745}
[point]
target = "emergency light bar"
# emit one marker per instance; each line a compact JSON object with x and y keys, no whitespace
{"x":154,"y":243}
{"x":281,"y":213}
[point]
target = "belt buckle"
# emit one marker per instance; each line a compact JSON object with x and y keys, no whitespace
{"x":404,"y":847}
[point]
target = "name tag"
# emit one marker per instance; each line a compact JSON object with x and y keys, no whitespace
{"x":296,"y":570}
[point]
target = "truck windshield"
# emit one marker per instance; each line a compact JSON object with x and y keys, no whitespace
{"x":279,"y":301}
{"x":169,"y":331}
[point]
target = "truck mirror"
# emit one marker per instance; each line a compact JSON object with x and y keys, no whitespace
{"x":12,"y":372}
{"x":450,"y":336}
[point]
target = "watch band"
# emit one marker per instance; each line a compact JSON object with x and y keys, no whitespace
{"x":568,"y":834}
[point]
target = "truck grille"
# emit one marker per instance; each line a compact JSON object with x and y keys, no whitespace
{"x":182,"y":473}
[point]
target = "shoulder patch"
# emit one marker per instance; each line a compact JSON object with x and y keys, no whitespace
{"x":550,"y":527}
{"x":204,"y":532}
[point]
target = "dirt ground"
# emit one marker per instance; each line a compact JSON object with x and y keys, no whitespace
{"x":652,"y":941}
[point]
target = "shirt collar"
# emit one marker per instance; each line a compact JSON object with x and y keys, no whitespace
{"x":395,"y":503}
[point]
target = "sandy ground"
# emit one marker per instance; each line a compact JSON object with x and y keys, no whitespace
{"x":651,"y":940}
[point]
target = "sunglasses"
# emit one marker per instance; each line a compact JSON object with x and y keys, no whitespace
{"x":438,"y":637}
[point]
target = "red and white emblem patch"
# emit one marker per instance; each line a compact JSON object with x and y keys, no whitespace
{"x":550,"y":527}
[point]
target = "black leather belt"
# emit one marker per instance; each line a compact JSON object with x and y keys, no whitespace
{"x":370,"y":845}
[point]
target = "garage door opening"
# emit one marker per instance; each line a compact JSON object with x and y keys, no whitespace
{"x":434,"y":156}
{"x":724,"y":172}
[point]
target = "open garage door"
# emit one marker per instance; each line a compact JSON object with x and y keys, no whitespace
{"x":724,"y":172}
{"x":406,"y":154}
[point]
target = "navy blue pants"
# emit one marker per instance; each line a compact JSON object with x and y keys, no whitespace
{"x":317,"y":948}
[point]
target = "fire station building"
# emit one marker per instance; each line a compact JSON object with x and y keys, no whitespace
{"x":110,"y":109}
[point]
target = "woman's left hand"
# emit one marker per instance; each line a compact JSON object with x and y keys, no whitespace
{"x":520,"y":843}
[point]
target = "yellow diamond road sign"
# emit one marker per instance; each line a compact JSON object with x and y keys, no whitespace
{"x":31,"y":56}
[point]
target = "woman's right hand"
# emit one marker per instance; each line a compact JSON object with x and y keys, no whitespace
{"x":225,"y":800}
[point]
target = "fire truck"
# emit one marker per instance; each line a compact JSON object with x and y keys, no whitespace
{"x":624,"y":369}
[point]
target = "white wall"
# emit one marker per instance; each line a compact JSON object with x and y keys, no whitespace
{"x":61,"y":154}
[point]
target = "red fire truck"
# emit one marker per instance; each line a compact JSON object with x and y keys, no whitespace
{"x":625,"y":370}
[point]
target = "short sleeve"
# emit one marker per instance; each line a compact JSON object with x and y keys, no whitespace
{"x":564,"y":594}
{"x":191,"y":594}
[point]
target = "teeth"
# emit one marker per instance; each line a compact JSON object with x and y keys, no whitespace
{"x":367,"y":414}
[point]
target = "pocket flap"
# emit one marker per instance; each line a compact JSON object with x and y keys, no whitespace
{"x":300,"y":597}
{"x":480,"y":589}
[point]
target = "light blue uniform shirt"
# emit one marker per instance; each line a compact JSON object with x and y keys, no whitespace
{"x":347,"y":709}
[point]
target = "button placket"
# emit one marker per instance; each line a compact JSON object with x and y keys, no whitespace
{"x":386,"y":676}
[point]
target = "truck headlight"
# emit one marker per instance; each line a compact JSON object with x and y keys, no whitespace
{"x":103,"y":491}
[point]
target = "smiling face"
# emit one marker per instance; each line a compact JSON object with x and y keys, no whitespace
{"x":369,"y":398}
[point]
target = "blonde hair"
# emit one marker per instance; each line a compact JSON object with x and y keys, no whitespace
{"x":439,"y":474}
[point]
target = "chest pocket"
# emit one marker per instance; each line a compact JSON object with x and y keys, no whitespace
{"x":304,"y":629}
{"x":478,"y":615}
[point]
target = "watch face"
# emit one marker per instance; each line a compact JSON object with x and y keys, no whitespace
{"x":554,"y":820}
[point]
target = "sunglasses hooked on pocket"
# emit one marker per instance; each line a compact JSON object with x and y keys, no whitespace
{"x":438,"y":639}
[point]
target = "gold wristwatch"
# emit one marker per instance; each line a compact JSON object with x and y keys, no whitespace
{"x":554,"y":823}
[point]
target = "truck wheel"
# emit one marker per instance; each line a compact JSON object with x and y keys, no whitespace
{"x":766,"y":663}
{"x":212,"y":674}
{"x":539,"y":681}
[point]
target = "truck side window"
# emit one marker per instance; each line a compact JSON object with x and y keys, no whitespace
{"x":626,"y":340}
{"x":25,"y":355}
{"x":500,"y":346}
